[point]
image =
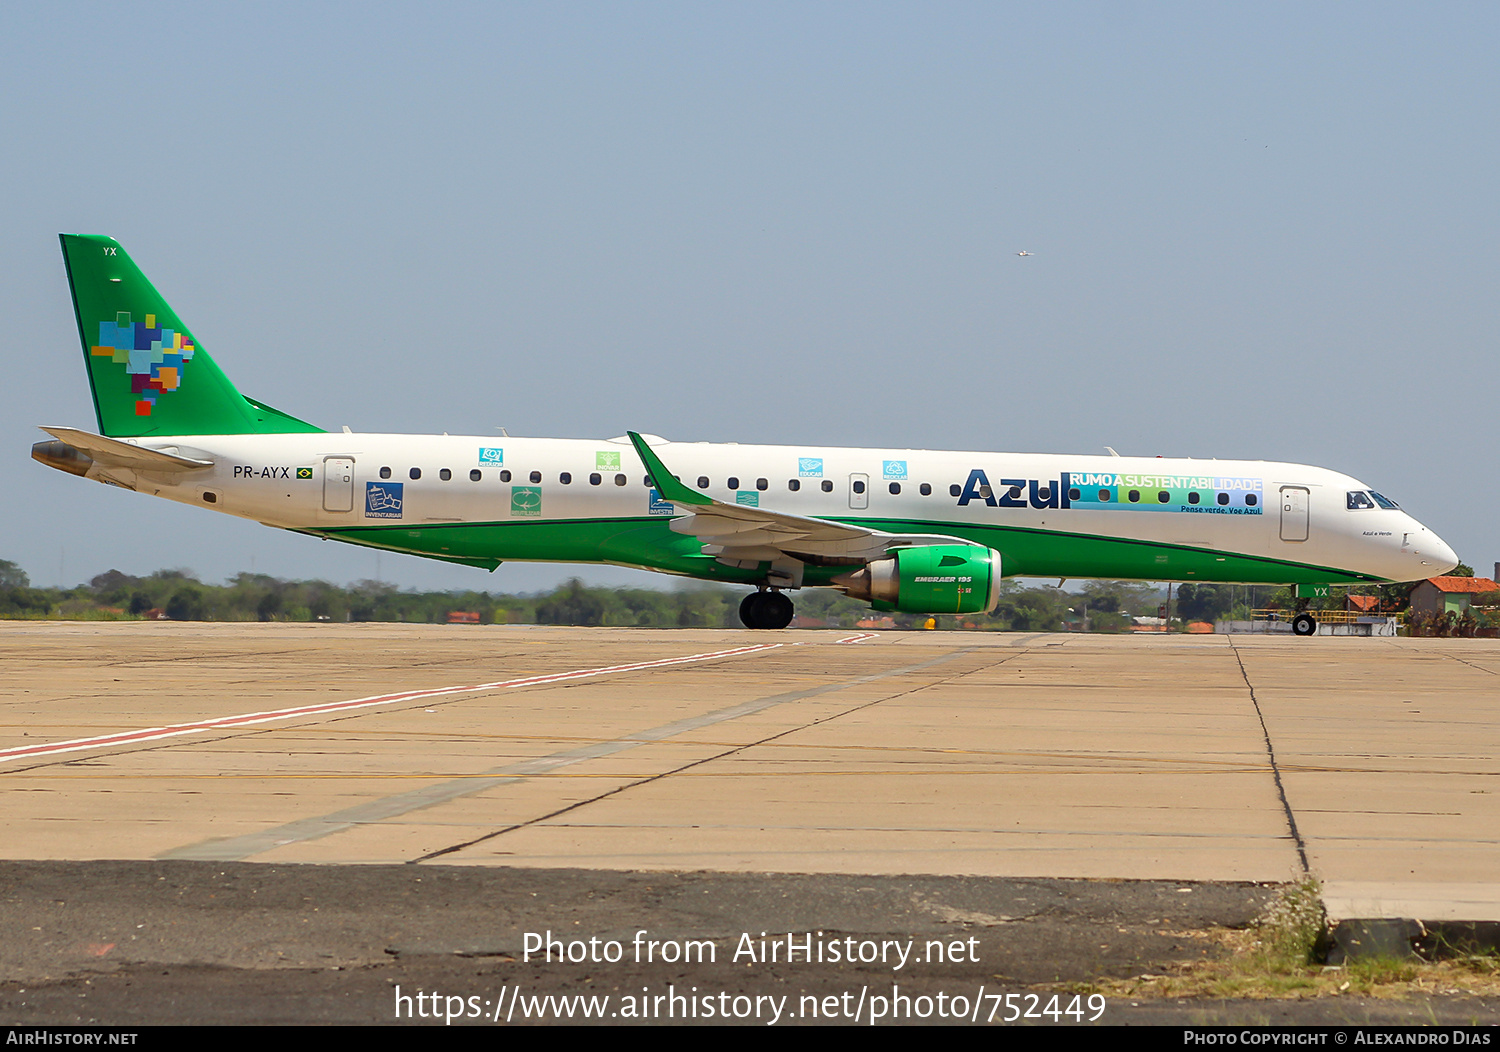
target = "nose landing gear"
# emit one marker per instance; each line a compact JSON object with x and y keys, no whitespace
{"x":766,"y":610}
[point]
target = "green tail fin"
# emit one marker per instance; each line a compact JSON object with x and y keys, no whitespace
{"x":148,"y":374}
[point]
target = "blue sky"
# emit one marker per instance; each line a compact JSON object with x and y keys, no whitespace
{"x":1259,"y":231}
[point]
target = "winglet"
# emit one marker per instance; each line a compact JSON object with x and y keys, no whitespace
{"x":667,"y":484}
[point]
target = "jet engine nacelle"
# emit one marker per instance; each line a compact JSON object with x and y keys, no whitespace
{"x":932,"y":579}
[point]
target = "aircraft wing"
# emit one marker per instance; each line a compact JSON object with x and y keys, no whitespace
{"x":737,"y":533}
{"x":112,"y":453}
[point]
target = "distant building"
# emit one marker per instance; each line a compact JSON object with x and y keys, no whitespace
{"x":1442,"y":595}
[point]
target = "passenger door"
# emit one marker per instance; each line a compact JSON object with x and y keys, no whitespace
{"x":1295,"y":503}
{"x":338,"y":483}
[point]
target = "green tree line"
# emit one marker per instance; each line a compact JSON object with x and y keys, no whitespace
{"x":1098,"y":606}
{"x":180,"y":596}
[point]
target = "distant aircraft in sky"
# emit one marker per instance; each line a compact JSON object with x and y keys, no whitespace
{"x":914,"y":530}
{"x":1023,"y":252}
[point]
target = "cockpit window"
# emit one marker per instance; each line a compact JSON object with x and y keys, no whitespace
{"x":1385,"y":502}
{"x":1358,"y":500}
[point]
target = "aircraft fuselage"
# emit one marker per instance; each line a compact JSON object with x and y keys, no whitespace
{"x":481,"y":501}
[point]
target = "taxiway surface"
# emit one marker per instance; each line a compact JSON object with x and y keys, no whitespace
{"x":1370,"y":763}
{"x":1067,"y":807}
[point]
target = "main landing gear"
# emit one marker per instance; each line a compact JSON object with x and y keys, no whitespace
{"x":766,"y":610}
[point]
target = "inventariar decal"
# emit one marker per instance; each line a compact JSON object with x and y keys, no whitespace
{"x":383,"y":500}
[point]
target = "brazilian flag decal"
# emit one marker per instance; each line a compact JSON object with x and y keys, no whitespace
{"x":304,"y":473}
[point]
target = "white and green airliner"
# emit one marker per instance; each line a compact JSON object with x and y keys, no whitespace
{"x":915,"y":530}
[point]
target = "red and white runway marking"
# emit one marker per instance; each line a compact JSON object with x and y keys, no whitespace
{"x":857,"y":639}
{"x":251,"y":718}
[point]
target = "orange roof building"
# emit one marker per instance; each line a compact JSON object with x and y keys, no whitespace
{"x":1441,"y":595}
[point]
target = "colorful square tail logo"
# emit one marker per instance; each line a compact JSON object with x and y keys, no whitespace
{"x":810,"y":467}
{"x":491,"y":456}
{"x":383,"y":500}
{"x":893,"y":469}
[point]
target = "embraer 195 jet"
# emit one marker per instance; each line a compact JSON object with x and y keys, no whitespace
{"x":913,"y":530}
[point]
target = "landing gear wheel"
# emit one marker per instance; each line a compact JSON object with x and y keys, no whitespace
{"x":766,"y":610}
{"x":776,"y":610}
{"x":750,"y":610}
{"x":1304,"y":625}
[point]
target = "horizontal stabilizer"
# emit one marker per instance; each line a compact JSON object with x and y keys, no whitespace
{"x":111,"y":452}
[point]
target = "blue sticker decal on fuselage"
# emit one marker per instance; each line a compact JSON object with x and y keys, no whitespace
{"x":383,"y":500}
{"x":656,"y":506}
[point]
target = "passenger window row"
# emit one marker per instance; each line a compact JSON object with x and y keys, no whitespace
{"x":733,"y":482}
{"x":476,"y":475}
{"x":597,"y":479}
{"x":795,"y":485}
{"x":1163,"y":497}
{"x":1356,"y":499}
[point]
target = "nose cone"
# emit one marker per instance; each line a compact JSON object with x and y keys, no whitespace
{"x":1432,"y":553}
{"x":1439,"y":554}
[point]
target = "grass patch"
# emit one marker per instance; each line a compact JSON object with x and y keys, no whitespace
{"x":1279,"y":957}
{"x":1289,"y":933}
